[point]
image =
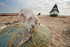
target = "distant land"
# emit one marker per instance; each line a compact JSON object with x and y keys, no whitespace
{"x":16,"y":14}
{"x":8,"y":14}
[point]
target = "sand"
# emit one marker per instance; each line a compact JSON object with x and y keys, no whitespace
{"x":59,"y":28}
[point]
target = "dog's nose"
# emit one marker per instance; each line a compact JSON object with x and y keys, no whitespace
{"x":39,"y":23}
{"x":32,"y":26}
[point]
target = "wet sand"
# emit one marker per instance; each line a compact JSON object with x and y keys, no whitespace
{"x":59,"y":28}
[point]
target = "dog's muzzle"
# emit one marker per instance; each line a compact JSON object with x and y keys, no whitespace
{"x":32,"y":26}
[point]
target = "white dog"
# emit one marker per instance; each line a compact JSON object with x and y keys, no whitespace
{"x":27,"y":15}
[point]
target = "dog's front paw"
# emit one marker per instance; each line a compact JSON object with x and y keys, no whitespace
{"x":31,"y":30}
{"x":19,"y":24}
{"x":28,"y":30}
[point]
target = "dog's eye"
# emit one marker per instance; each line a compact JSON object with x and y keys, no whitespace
{"x":35,"y":22}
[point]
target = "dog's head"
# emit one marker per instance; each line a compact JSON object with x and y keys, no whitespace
{"x":35,"y":22}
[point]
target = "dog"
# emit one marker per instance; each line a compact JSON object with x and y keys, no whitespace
{"x":28,"y":14}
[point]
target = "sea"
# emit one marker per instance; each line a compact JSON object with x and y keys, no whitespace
{"x":3,"y":13}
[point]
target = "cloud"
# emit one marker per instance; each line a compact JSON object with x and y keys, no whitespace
{"x":43,"y":6}
{"x":2,"y":4}
{"x":68,"y":4}
{"x":8,"y":9}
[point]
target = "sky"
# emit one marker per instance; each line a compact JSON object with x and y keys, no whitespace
{"x":42,"y":6}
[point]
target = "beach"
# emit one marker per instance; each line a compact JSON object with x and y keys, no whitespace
{"x":59,"y":28}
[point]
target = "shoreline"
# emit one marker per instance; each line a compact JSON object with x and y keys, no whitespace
{"x":16,"y":14}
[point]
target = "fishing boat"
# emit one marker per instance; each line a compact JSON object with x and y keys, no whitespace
{"x":54,"y":11}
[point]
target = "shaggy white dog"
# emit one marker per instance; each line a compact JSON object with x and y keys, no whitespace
{"x":27,"y":15}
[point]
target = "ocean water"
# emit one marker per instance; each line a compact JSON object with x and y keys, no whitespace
{"x":2,"y":13}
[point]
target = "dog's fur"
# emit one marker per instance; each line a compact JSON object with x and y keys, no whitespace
{"x":27,"y":15}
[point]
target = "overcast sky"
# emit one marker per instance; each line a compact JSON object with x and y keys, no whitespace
{"x":43,"y":6}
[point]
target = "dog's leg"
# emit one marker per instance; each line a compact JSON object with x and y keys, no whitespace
{"x":23,"y":19}
{"x":28,"y":26}
{"x":33,"y":20}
